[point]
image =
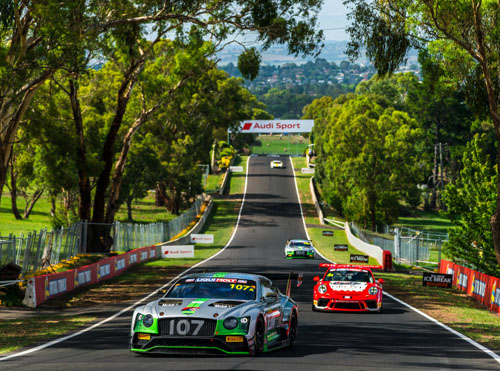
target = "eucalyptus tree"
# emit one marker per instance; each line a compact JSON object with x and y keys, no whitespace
{"x":470,"y":201}
{"x":462,"y":35}
{"x":186,"y":128}
{"x":367,"y":157}
{"x":36,"y":40}
{"x":42,"y":38}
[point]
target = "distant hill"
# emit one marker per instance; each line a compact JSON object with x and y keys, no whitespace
{"x":334,"y":51}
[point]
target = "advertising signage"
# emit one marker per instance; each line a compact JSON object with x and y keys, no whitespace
{"x":437,"y":279}
{"x":276,"y":126}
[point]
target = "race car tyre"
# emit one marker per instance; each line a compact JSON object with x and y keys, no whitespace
{"x":292,"y":332}
{"x":314,"y":309}
{"x":258,"y":344}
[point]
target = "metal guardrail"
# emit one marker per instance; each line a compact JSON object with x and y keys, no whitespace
{"x":409,"y":246}
{"x":40,"y":249}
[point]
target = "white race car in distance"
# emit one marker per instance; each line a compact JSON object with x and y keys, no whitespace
{"x":277,"y":164}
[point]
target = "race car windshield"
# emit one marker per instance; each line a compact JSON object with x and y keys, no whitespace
{"x":300,"y":244}
{"x":214,"y":288}
{"x":349,"y":276}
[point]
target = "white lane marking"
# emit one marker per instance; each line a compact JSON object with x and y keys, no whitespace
{"x":59,"y":340}
{"x":492,"y":354}
{"x":302,"y":212}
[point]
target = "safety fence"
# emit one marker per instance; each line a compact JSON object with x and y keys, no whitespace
{"x":408,"y":246}
{"x":482,"y":287}
{"x":40,"y":249}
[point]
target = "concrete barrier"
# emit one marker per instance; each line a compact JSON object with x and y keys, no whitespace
{"x":371,"y":250}
{"x":312,"y":187}
{"x":42,"y":288}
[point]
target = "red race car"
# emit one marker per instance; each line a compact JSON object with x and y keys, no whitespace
{"x":348,"y":288}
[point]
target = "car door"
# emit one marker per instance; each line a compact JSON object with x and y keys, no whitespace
{"x":272,"y":306}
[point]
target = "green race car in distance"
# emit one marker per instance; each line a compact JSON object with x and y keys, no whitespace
{"x":221,"y":313}
{"x":299,"y":249}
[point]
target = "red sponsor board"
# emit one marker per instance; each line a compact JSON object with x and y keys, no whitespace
{"x":86,"y":275}
{"x":55,"y":284}
{"x":482,"y":287}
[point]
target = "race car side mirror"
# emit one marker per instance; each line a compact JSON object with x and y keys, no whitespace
{"x":160,"y":293}
{"x":316,"y":278}
{"x":381,"y":281}
{"x":271,"y":297}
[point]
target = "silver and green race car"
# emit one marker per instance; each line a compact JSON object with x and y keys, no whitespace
{"x":299,"y":249}
{"x":232,"y":313}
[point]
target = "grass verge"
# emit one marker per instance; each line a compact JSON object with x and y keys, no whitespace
{"x":324,"y":244}
{"x":27,"y":331}
{"x":280,"y":145}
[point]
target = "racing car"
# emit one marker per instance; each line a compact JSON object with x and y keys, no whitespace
{"x":299,"y":249}
{"x":348,"y":288}
{"x":276,"y":164}
{"x":231,"y":313}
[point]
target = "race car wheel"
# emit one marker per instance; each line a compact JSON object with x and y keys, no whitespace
{"x":259,"y":338}
{"x":292,"y":331}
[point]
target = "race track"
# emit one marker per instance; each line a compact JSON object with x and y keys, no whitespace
{"x":398,"y":339}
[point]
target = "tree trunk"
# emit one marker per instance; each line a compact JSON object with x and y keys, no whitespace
{"x":108,"y":152}
{"x":129,"y":209}
{"x":52,"y":206}
{"x":13,"y":191}
{"x":85,"y":202}
{"x":160,"y":195}
{"x":10,"y":118}
{"x":113,"y":204}
{"x":29,"y":206}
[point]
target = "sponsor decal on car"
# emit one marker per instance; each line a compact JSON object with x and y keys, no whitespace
{"x":193,"y":306}
{"x":348,"y":286}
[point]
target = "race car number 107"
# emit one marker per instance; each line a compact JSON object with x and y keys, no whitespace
{"x":184,"y":327}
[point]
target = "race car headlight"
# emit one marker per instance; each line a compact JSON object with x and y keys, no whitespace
{"x":147,"y":320}
{"x":230,"y":323}
{"x":322,"y":289}
{"x":372,"y":290}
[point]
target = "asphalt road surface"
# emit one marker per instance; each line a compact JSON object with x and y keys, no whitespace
{"x":398,"y":339}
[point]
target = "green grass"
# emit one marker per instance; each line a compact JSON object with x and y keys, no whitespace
{"x":430,"y":221}
{"x":145,"y":211}
{"x":34,"y":329}
{"x":38,"y":219}
{"x":325,"y":245}
{"x":237,"y":180}
{"x":286,"y":145}
{"x":214,"y":183}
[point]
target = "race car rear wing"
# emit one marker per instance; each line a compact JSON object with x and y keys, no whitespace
{"x":328,"y":265}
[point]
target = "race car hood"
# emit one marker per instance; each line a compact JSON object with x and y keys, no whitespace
{"x":201,"y":307}
{"x":348,"y":286}
{"x":299,"y":248}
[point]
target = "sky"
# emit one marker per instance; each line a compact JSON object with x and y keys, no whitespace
{"x":334,"y":15}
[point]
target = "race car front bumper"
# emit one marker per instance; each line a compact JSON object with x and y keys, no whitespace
{"x":347,"y":305}
{"x":291,"y":254}
{"x":191,"y":345}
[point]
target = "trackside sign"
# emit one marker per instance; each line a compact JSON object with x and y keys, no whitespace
{"x":276,"y":126}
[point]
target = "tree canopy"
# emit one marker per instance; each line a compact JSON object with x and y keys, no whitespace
{"x":367,"y":156}
{"x":463,"y":36}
